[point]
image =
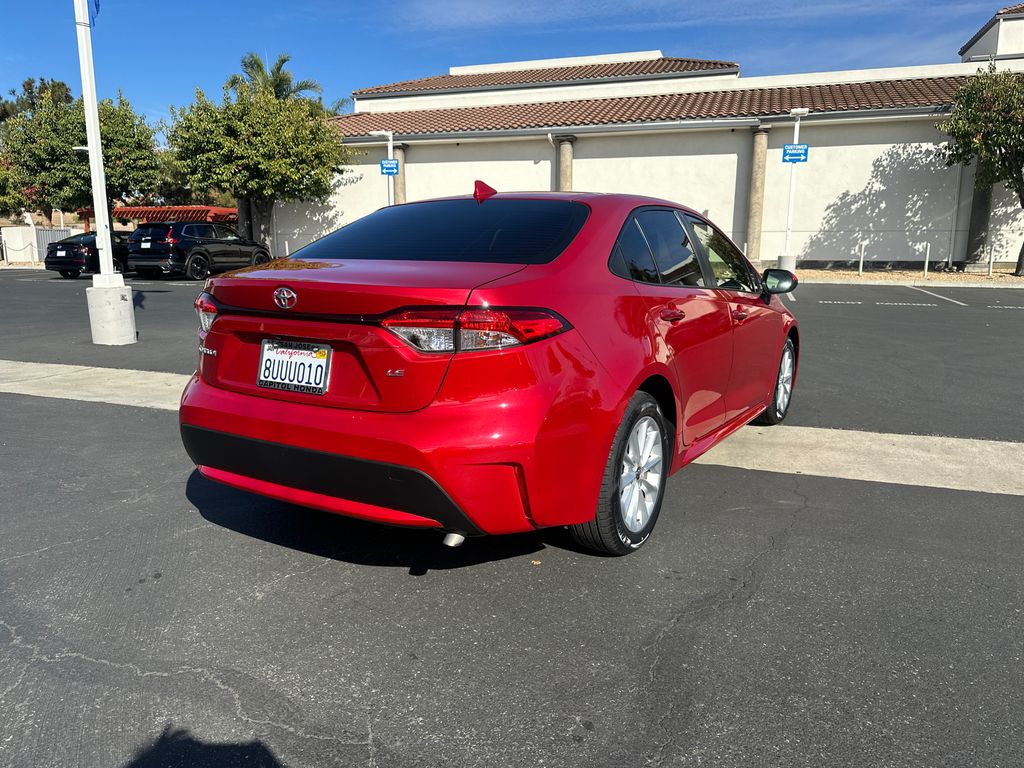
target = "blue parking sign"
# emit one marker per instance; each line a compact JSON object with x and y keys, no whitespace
{"x":388,"y":167}
{"x":795,"y":153}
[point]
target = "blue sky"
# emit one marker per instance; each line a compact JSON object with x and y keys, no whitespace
{"x":158,"y":53}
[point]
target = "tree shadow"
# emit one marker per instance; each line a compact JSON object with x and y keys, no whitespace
{"x":350,"y":540}
{"x":906,"y":206}
{"x":177,"y":747}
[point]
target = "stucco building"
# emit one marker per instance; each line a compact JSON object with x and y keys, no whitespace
{"x":696,"y":132}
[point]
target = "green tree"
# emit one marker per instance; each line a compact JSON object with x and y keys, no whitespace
{"x":46,"y":172}
{"x":31,"y":96}
{"x":987,"y":128}
{"x":276,"y":80}
{"x":258,"y":148}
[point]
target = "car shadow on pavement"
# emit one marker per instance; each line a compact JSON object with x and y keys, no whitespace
{"x":325,"y":534}
{"x":139,"y":297}
{"x":176,"y":746}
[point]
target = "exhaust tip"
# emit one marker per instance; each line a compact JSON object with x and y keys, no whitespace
{"x":453,"y":540}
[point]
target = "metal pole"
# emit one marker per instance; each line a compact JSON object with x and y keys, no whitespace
{"x":111,"y":308}
{"x":391,"y":179}
{"x":927,"y":253}
{"x":860,"y":269}
{"x":107,"y":276}
{"x":792,"y":190}
{"x":990,"y":259}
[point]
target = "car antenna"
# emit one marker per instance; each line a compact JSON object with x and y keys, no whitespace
{"x":482,"y":191}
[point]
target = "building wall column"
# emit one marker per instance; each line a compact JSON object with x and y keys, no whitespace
{"x":400,"y":178}
{"x":755,"y":198}
{"x":565,"y":153}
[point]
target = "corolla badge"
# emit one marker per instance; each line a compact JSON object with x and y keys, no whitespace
{"x":285,"y":298}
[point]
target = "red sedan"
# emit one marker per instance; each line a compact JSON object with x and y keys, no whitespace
{"x":489,"y":365}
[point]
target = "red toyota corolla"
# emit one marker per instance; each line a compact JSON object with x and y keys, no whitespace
{"x":487,"y":365}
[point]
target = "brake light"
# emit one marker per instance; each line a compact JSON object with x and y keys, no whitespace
{"x":469,"y":330}
{"x":206,"y":308}
{"x":170,"y":239}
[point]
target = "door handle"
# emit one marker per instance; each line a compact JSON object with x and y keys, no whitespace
{"x":739,"y":315}
{"x":672,"y":314}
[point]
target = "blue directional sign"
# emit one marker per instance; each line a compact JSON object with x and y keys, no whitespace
{"x":388,"y":167}
{"x":795,"y":153}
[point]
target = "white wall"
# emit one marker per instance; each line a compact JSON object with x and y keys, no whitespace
{"x":881,"y":184}
{"x":440,"y":170}
{"x":706,"y":170}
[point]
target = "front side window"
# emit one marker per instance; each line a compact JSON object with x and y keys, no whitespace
{"x":676,"y":260}
{"x":631,"y":257}
{"x":727,"y":263}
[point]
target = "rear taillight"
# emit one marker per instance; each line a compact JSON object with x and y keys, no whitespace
{"x":206,"y":308}
{"x":170,"y":239}
{"x":469,"y":330}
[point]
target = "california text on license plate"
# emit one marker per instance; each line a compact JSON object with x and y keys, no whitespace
{"x":295,"y":366}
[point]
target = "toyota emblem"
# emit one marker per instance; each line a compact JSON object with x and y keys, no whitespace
{"x":285,"y":298}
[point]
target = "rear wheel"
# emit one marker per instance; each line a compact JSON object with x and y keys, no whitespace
{"x":70,"y":274}
{"x":260,"y":257}
{"x":633,"y":486}
{"x":782,"y":395}
{"x":198,"y":267}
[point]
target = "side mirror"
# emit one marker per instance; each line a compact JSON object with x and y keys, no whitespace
{"x":779,"y":281}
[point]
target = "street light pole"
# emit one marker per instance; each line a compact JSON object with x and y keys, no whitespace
{"x":111,"y":312}
{"x":390,"y":136}
{"x":788,"y":259}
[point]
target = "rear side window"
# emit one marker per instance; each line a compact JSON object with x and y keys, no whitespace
{"x":150,"y":232}
{"x":673,"y":254}
{"x":202,"y":231}
{"x":631,"y":257}
{"x":504,"y":231}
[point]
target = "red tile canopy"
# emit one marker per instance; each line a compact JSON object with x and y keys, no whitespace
{"x":176,"y":213}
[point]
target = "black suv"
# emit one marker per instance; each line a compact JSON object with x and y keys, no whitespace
{"x":77,"y":254}
{"x":194,"y":249}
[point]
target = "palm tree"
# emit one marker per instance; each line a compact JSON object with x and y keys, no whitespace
{"x":276,"y":80}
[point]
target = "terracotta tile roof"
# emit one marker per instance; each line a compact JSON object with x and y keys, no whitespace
{"x":756,"y":102}
{"x":1018,"y":8}
{"x":612,"y":71}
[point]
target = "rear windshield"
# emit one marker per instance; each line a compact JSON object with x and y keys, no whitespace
{"x":155,"y":231}
{"x":508,"y":231}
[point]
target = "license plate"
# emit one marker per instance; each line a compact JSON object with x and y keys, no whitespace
{"x":295,"y":366}
{"x":61,"y":253}
{"x":146,"y":244}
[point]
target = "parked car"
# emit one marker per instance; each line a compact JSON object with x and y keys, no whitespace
{"x":77,"y":254}
{"x":194,"y":249}
{"x":521,"y":362}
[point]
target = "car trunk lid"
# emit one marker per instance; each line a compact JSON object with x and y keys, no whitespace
{"x":338,"y":304}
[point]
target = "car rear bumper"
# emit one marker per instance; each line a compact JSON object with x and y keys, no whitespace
{"x":61,"y":263}
{"x":163,"y":263}
{"x":423,"y":469}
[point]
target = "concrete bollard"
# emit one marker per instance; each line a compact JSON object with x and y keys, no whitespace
{"x":111,"y":315}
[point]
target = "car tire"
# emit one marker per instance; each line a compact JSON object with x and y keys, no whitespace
{"x":782,"y":393}
{"x":260,"y":257}
{"x":70,"y":274}
{"x":198,"y":267}
{"x":626,"y":513}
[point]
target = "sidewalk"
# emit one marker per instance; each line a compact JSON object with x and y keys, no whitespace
{"x":1000,"y":279}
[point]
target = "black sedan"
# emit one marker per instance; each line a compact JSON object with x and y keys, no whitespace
{"x":77,"y":254}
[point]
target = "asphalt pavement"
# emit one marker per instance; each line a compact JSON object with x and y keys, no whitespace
{"x":149,"y":617}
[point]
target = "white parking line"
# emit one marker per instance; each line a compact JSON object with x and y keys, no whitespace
{"x":1002,"y":306}
{"x":823,"y":301}
{"x":791,"y":297}
{"x":937,"y":296}
{"x":902,"y":304}
{"x":916,"y":460}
